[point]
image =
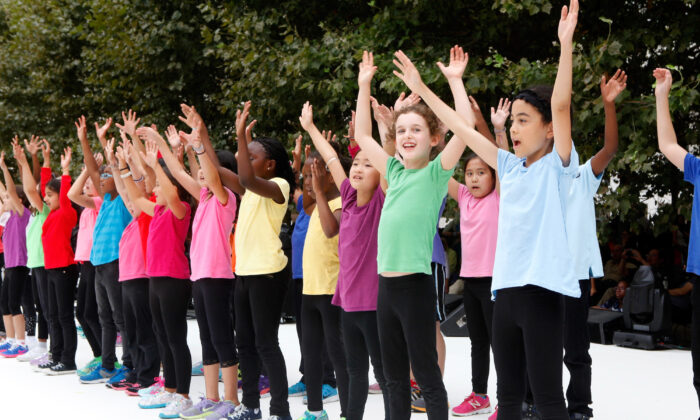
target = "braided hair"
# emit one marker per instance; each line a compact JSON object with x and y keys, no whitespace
{"x":275,"y":151}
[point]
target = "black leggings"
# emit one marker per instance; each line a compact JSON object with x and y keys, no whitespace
{"x":361,"y":339}
{"x":86,"y":308}
{"x":61,"y":292}
{"x":321,"y":321}
{"x":12,"y":288}
{"x":29,"y":308}
{"x":695,"y":333}
{"x":258,"y":304}
{"x":138,"y":328}
{"x":211,"y":306}
{"x":528,"y":336}
{"x":577,"y":341}
{"x":478,"y":308}
{"x":108,"y":292}
{"x":406,"y":320}
{"x":40,"y":285}
{"x":169,"y":298}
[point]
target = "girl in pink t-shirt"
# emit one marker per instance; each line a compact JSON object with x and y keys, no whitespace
{"x":168,"y":271}
{"x":478,"y":204}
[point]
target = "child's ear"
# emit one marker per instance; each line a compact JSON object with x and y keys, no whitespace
{"x":550,"y":131}
{"x":271,"y":165}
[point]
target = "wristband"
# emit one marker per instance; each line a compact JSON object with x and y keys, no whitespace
{"x":138,"y":180}
{"x":502,"y":130}
{"x":126,"y":175}
{"x":198,"y":150}
{"x":331,"y":160}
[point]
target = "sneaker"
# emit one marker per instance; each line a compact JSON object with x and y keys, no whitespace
{"x":92,"y":365}
{"x":244,"y":413}
{"x":60,"y":369}
{"x":264,"y":386}
{"x":119,"y":386}
{"x":155,"y":388}
{"x":15,"y":351}
{"x":159,"y":400}
{"x":222,"y":410}
{"x":119,"y":342}
{"x":133,"y":390}
{"x":416,"y":395}
{"x":177,"y":406}
{"x":98,"y":376}
{"x":5,"y":345}
{"x":309,"y":416}
{"x":198,"y":369}
{"x":418,"y":405}
{"x":297,"y":390}
{"x":494,"y":416}
{"x":121,"y":375}
{"x":39,"y":360}
{"x":530,"y":412}
{"x":473,"y":404}
{"x":79,"y":330}
{"x":579,"y":416}
{"x":200,"y":410}
{"x":42,"y":367}
{"x":32,"y":354}
{"x":375,"y":389}
{"x":328,"y":393}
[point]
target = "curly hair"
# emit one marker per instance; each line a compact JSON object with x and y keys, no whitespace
{"x":276,"y":151}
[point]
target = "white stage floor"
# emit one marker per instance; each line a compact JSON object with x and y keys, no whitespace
{"x":627,"y":384}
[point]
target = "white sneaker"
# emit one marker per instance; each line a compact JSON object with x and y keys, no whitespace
{"x":32,"y":354}
{"x":178,"y":405}
{"x":159,"y":400}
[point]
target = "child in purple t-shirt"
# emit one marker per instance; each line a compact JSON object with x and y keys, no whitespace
{"x":356,"y":291}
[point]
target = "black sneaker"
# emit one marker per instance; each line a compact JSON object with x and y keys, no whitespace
{"x":61,"y":369}
{"x":43,"y":367}
{"x":530,"y":412}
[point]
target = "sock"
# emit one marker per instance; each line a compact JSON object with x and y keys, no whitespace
{"x":316,"y":413}
{"x":41,"y":345}
{"x":21,"y":342}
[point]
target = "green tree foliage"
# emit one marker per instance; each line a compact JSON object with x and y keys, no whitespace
{"x":63,"y":58}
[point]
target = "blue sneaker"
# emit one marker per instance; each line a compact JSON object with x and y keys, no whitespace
{"x":121,"y":374}
{"x":244,"y":413}
{"x":15,"y":351}
{"x":98,"y":376}
{"x":6,"y":345}
{"x":198,"y":369}
{"x":297,"y":390}
{"x":309,"y":416}
{"x":328,"y":393}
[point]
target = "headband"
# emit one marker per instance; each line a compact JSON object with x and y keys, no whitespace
{"x":544,"y":107}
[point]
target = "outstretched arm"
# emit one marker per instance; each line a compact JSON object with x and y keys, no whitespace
{"x":481,"y":125}
{"x":609,"y":90}
{"x":63,"y":199}
{"x":171,"y":161}
{"x":330,"y":221}
{"x":363,"y":123}
{"x":561,"y":95}
{"x":88,"y":158}
{"x":499,"y":116}
{"x":33,"y":149}
{"x":321,"y":144}
{"x":28,"y":181}
{"x":211,"y":175}
{"x":167,"y":189}
{"x":15,"y":202}
{"x":668,"y":142}
{"x":462,"y":128}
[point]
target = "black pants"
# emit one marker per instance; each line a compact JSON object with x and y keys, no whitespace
{"x":695,"y":335}
{"x":478,"y":308}
{"x":108,"y":292}
{"x":258,"y":304}
{"x":169,"y":299}
{"x":321,"y":321}
{"x":138,"y":329}
{"x":528,"y":334}
{"x":12,"y":288}
{"x":361,"y":338}
{"x":29,"y":308}
{"x":577,"y":341}
{"x":406,"y":321}
{"x":86,"y":308}
{"x":211,"y":303}
{"x":328,"y":374}
{"x":40,"y":284}
{"x":61,"y":293}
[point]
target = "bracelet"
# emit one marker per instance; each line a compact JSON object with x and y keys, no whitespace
{"x":198,"y":150}
{"x":138,"y":180}
{"x":126,"y":175}
{"x":331,"y":160}
{"x":502,"y":130}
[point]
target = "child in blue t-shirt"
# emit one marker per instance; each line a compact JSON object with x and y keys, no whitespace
{"x":690,"y":165}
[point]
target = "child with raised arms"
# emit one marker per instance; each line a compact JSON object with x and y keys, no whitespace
{"x":532,"y":269}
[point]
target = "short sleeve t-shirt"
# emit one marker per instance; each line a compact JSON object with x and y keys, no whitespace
{"x":580,"y":223}
{"x":14,"y":238}
{"x":86,"y":226}
{"x":35,"y":248}
{"x":111,"y":221}
{"x":298,"y":238}
{"x":321,"y":263}
{"x":166,"y":244}
{"x":357,"y":251}
{"x":258,"y":243}
{"x":410,"y":215}
{"x":691,"y":173}
{"x":532,"y":246}
{"x":439,"y":250}
{"x":478,"y":225}
{"x":210,"y":251}
{"x":132,"y":264}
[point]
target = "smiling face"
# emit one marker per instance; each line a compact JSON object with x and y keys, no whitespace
{"x":89,"y":188}
{"x":107,"y":183}
{"x":531,"y":136}
{"x":413,"y":139}
{"x":478,"y":178}
{"x":158,"y":192}
{"x":51,"y":198}
{"x":363,"y":176}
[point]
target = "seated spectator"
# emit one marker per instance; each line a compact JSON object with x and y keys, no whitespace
{"x":617,"y":268}
{"x":679,"y":290}
{"x":615,"y":302}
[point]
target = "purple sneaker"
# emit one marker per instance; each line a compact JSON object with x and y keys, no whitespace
{"x":222,"y":410}
{"x":41,"y":360}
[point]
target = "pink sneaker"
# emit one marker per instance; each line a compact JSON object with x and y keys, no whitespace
{"x":494,"y":416}
{"x":375,"y":389}
{"x":473,"y":404}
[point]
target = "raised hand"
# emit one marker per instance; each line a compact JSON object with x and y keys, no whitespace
{"x":329,"y":136}
{"x":244,"y":132}
{"x":32,"y":145}
{"x":306,"y":119}
{"x":173,"y":136}
{"x":316,"y":178}
{"x":191,"y":117}
{"x":367,"y":69}
{"x":102,"y":130}
{"x":99,"y":159}
{"x":45,"y":151}
{"x":109,"y":151}
{"x":66,"y":159}
{"x":351,"y":126}
{"x":130,"y":122}
{"x":148,"y":134}
{"x":474,"y":106}
{"x":382,"y":113}
{"x":307,"y":151}
{"x":407,"y":71}
{"x":296,"y":152}
{"x":499,"y":116}
{"x":81,"y":128}
{"x":609,"y":89}
{"x":567,"y":23}
{"x":404,"y":101}
{"x":121,"y":156}
{"x":18,"y":152}
{"x":664,"y":81}
{"x":150,"y":158}
{"x":2,"y":160}
{"x":458,"y":63}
